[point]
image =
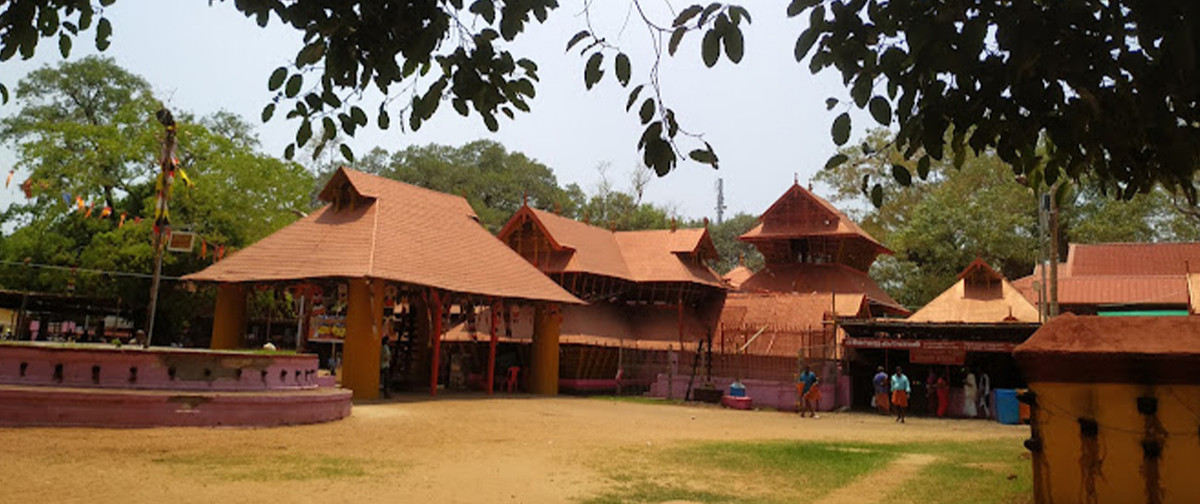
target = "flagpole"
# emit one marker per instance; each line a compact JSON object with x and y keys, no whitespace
{"x":161,"y":221}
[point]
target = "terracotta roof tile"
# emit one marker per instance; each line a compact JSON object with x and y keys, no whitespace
{"x":820,"y":278}
{"x":789,"y":309}
{"x":636,"y":256}
{"x":401,"y":233}
{"x":1113,"y":290}
{"x":774,"y":224}
{"x":1071,"y":334}
{"x":1133,"y":258}
{"x":737,"y":276}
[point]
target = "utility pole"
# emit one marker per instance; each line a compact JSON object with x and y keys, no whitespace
{"x":162,"y":221}
{"x":1053,"y":251}
{"x":1043,"y":216}
{"x":720,"y":201}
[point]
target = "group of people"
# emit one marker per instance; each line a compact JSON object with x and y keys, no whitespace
{"x":892,"y":393}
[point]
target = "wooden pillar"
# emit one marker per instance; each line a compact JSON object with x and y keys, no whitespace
{"x":435,"y":310}
{"x":491,"y":366}
{"x":543,"y":373}
{"x":360,"y":355}
{"x":229,"y":317}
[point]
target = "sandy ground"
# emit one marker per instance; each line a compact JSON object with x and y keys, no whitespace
{"x":450,"y":450}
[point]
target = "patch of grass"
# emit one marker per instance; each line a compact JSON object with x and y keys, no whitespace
{"x":265,"y":468}
{"x":985,"y":472}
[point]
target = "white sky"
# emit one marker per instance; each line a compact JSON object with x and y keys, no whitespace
{"x":765,"y":117}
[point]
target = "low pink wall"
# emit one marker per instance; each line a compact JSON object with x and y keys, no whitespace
{"x":764,"y":393}
{"x":45,"y":406}
{"x":104,"y":366}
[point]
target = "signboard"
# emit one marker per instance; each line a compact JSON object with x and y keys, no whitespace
{"x":181,"y":241}
{"x":950,"y":356}
{"x":327,"y":329}
{"x":931,"y":345}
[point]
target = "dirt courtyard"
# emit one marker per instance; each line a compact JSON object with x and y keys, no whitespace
{"x":453,"y":449}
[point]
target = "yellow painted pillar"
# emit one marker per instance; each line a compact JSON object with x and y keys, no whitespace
{"x":543,"y":373}
{"x":229,"y":316}
{"x":364,"y":330}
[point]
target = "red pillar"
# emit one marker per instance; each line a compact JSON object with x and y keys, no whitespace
{"x":491,"y":368}
{"x":436,"y":338}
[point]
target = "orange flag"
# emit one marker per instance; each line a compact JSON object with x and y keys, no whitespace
{"x":88,"y":215}
{"x":105,"y":212}
{"x":122,"y":224}
{"x":8,"y":180}
{"x":203,"y":248}
{"x":79,"y":203}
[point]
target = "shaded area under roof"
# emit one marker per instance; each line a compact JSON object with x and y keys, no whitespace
{"x":389,"y":230}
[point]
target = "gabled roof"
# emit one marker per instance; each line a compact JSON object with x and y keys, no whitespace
{"x":800,"y":213}
{"x":661,"y":255}
{"x":737,"y":276}
{"x":820,"y":278}
{"x":393,"y":231}
{"x":1000,"y":302}
{"x":1121,"y":274}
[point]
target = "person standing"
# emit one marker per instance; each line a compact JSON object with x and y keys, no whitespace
{"x":882,"y":388}
{"x":810,"y":395}
{"x":970,"y":395}
{"x":985,"y":394}
{"x":931,"y":400}
{"x":943,"y":395}
{"x":901,"y":388}
{"x":385,"y":367}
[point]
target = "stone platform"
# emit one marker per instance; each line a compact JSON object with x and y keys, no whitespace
{"x":104,"y":386}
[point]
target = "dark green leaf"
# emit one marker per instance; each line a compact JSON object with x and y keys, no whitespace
{"x":901,"y":175}
{"x":311,"y":53}
{"x":736,"y":12}
{"x":3,"y":94}
{"x":592,"y":73}
{"x":577,"y":39}
{"x":881,"y":110}
{"x":358,"y":116}
{"x":460,"y":106}
{"x":923,"y":167}
{"x":347,"y":153}
{"x":841,"y":129}
{"x":64,"y":45}
{"x":676,"y":38}
{"x":647,"y":111}
{"x":485,"y":9}
{"x":384,"y":120}
{"x":805,"y":43}
{"x":304,"y":133}
{"x":103,"y":33}
{"x":289,"y":152}
{"x":633,"y":95}
{"x":687,"y":14}
{"x":877,"y":196}
{"x":734,"y":48}
{"x":623,"y":69}
{"x":489,"y":120}
{"x":703,"y":156}
{"x":710,"y":49}
{"x":293,"y":86}
{"x":830,"y":103}
{"x":267,"y":112}
{"x":797,"y":6}
{"x":712,"y":7}
{"x":277,"y":78}
{"x":835,"y":161}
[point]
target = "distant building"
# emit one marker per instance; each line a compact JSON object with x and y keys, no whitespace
{"x":1121,"y":279}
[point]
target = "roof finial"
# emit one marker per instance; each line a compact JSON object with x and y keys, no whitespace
{"x":674,"y":224}
{"x":795,"y":178}
{"x":525,"y":199}
{"x":741,"y":258}
{"x":587,"y":219}
{"x":706,"y":223}
{"x":612,"y":225}
{"x":557,"y":208}
{"x":810,"y":186}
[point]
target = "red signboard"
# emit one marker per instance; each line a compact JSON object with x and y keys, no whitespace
{"x":950,"y":356}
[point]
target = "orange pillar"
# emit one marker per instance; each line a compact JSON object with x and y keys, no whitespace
{"x":543,"y":373}
{"x":364,"y":330}
{"x":229,"y":317}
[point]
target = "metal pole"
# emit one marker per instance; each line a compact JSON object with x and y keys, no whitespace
{"x":1053,"y":254}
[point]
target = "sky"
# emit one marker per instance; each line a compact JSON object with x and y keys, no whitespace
{"x":765,"y":117}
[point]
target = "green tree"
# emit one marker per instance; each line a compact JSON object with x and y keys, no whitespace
{"x":239,"y":196}
{"x":729,"y":248}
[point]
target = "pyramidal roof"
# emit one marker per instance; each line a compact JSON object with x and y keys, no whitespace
{"x":800,"y":213}
{"x":380,"y":228}
{"x":637,"y":256}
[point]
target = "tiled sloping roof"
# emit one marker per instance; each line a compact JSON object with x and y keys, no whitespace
{"x":636,"y":256}
{"x":838,"y":225}
{"x":1072,"y":334}
{"x":1134,"y":258}
{"x":404,"y":233}
{"x":737,"y":276}
{"x":819,"y":278}
{"x":1114,"y":290}
{"x":658,"y":255}
{"x":791,"y":310}
{"x":954,"y":305}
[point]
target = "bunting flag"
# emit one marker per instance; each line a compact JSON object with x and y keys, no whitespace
{"x":187,"y":181}
{"x":79,"y":203}
{"x":66,"y":199}
{"x":203,"y":248}
{"x":27,"y":188}
{"x":90,"y":207}
{"x":137,"y":220}
{"x":105,"y":212}
{"x":122,"y":224}
{"x":220,"y":252}
{"x":8,"y":180}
